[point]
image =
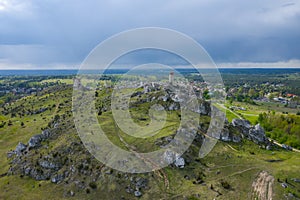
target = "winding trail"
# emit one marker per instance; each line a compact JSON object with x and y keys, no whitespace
{"x":277,"y":143}
{"x":224,"y":107}
{"x":159,"y":173}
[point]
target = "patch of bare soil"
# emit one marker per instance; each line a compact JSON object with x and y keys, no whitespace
{"x":263,"y":186}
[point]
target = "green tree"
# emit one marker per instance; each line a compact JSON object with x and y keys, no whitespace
{"x":261,"y":93}
{"x":251,"y":93}
{"x":206,"y":94}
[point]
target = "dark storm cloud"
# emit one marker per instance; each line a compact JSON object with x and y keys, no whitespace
{"x":44,"y":33}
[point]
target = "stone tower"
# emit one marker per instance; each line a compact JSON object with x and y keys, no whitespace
{"x":171,"y":78}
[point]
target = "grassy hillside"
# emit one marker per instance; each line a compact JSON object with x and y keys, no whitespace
{"x":228,"y":172}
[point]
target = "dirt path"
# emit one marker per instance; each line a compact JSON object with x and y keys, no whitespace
{"x":263,"y":186}
{"x":159,"y":173}
{"x":277,"y":143}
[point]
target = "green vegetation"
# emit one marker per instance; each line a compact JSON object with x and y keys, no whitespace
{"x":283,"y":128}
{"x":228,"y":172}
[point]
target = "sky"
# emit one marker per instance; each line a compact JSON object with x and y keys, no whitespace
{"x":59,"y":34}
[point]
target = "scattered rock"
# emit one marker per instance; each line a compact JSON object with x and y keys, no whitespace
{"x":297,"y":180}
{"x":174,"y":106}
{"x":10,"y":154}
{"x":254,"y":133}
{"x":39,"y":174}
{"x":179,"y":162}
{"x":57,"y":178}
{"x":244,"y":125}
{"x":141,"y":183}
{"x":225,"y":135}
{"x":204,"y":108}
{"x":27,"y":170}
{"x":129,"y":190}
{"x":290,"y":196}
{"x":228,"y":135}
{"x":164,"y":140}
{"x":41,"y":110}
{"x":20,"y":148}
{"x":257,"y":134}
{"x":35,"y":141}
{"x":170,"y":156}
{"x":137,"y":193}
{"x":286,"y":147}
{"x":108,"y":170}
{"x":198,"y":181}
{"x":49,"y":165}
{"x":72,"y":193}
{"x":45,"y":134}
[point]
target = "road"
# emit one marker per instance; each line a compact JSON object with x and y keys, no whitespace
{"x":224,"y":107}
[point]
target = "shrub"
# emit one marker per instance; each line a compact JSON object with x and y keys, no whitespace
{"x":93,"y":185}
{"x":225,"y":184}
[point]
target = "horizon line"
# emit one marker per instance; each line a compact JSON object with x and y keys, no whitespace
{"x":72,"y":69}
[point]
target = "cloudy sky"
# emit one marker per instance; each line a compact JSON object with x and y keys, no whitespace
{"x":60,"y":33}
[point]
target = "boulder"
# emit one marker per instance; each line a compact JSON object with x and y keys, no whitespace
{"x":137,"y":193}
{"x":173,"y":106}
{"x":228,"y":136}
{"x":225,"y":135}
{"x":49,"y":165}
{"x":204,"y":108}
{"x":141,"y":183}
{"x":286,"y":147}
{"x":45,"y":134}
{"x":162,"y":142}
{"x":39,"y":174}
{"x":169,"y":156}
{"x":72,"y":193}
{"x":129,"y":190}
{"x":41,"y":110}
{"x":241,"y":123}
{"x":179,"y":162}
{"x":297,"y":180}
{"x":20,"y":148}
{"x":35,"y":141}
{"x":27,"y":170}
{"x":254,"y":133}
{"x":173,"y":157}
{"x":236,"y":139}
{"x":257,"y":134}
{"x":57,"y":178}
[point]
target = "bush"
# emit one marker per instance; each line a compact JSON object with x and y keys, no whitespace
{"x":2,"y":124}
{"x":93,"y":185}
{"x":225,"y":184}
{"x":9,"y":123}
